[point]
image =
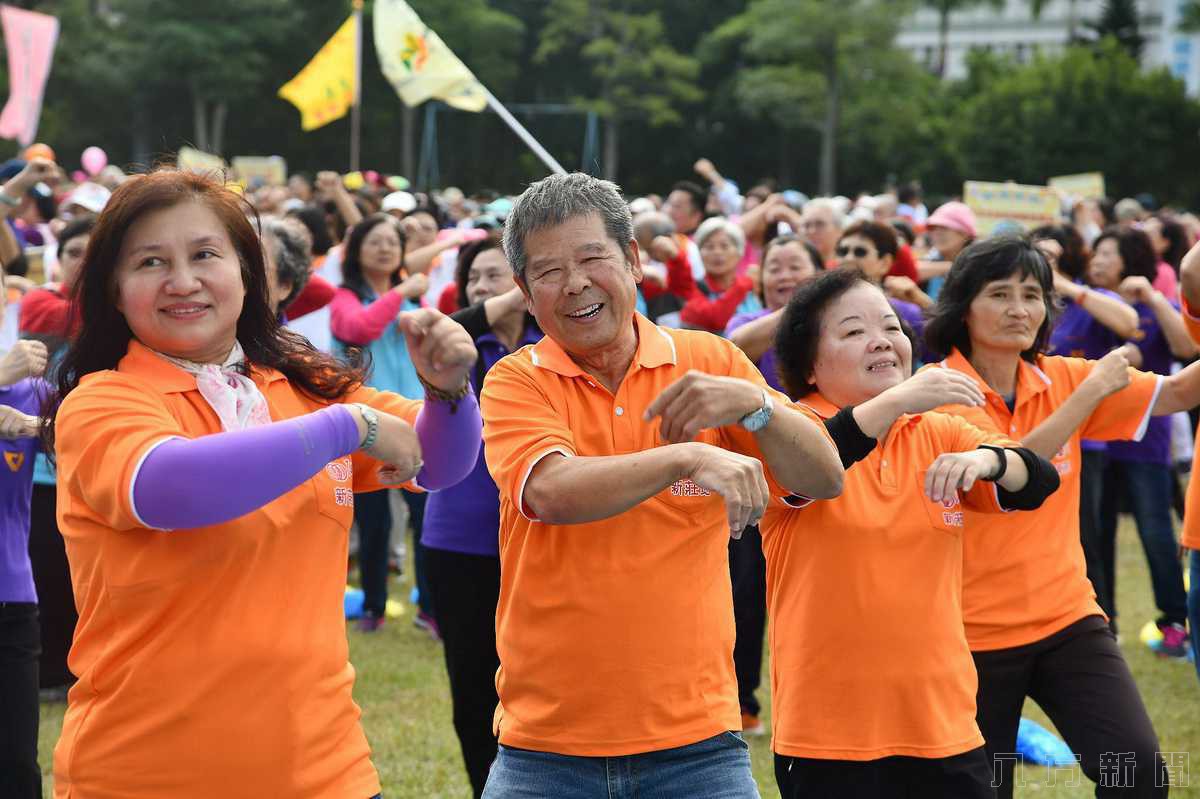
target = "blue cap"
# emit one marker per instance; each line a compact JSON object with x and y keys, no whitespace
{"x":796,"y":199}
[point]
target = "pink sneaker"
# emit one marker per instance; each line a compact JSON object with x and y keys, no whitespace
{"x":369,"y":623}
{"x":1175,"y":643}
{"x":427,"y":623}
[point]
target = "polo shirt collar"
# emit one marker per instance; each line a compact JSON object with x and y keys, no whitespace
{"x":1031,"y":380}
{"x":820,"y":406}
{"x":141,"y":361}
{"x":655,"y":348}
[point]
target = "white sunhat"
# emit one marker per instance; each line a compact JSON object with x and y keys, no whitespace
{"x":91,"y":196}
{"x":400,"y":201}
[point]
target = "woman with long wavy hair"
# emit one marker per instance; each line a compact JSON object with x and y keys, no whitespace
{"x":208,"y":461}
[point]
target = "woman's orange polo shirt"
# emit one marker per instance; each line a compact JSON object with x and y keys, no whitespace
{"x":1191,"y":514}
{"x":212,"y":661}
{"x":868,"y":654}
{"x":1024,"y":575}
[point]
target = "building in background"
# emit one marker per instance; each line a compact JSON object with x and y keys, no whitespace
{"x":1016,"y":32}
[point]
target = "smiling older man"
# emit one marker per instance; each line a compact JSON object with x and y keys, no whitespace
{"x":625,"y":453}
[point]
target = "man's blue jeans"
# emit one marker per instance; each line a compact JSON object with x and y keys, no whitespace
{"x":715,"y":768}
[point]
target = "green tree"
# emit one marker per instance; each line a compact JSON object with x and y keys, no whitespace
{"x":895,"y":127}
{"x":1189,"y":18}
{"x":635,"y":73}
{"x":1086,"y":109}
{"x":87,"y":98}
{"x":216,"y":50}
{"x":802,"y":56}
{"x":1119,"y":19}
{"x":1037,"y":6}
{"x":944,"y":9}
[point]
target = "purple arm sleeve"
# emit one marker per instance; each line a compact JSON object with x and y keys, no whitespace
{"x":449,"y":441}
{"x":186,"y":483}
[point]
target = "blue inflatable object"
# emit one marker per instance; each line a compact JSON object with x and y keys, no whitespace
{"x":352,"y":602}
{"x":1041,"y":747}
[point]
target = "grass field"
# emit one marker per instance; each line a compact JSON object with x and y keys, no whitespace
{"x":406,"y":703}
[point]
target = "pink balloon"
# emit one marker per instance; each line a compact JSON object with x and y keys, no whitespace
{"x":371,"y":175}
{"x":79,"y":176}
{"x":94,"y":159}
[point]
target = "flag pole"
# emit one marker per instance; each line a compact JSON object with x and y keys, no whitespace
{"x":524,"y":135}
{"x":355,"y":109}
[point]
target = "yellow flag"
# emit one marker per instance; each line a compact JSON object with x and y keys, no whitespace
{"x":324,"y":89}
{"x":418,"y":63}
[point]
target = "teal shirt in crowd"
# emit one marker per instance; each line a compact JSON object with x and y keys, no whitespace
{"x":391,"y":368}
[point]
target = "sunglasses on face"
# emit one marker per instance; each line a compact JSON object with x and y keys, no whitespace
{"x":858,"y":252}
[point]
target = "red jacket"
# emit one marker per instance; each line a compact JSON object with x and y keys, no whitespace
{"x":47,"y":311}
{"x":316,"y":295}
{"x":904,"y":264}
{"x":448,"y":300}
{"x":712,"y":311}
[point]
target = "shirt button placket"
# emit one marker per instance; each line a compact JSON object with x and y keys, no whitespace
{"x":622,"y":420}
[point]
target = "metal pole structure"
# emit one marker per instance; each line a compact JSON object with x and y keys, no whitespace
{"x":591,"y":144}
{"x":524,"y":135}
{"x":429,"y":173}
{"x":356,"y":109}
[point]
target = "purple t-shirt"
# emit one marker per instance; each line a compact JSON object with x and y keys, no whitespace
{"x":1078,"y":334}
{"x":16,"y":490}
{"x":766,"y":363}
{"x":466,"y":517}
{"x":910,"y":312}
{"x":1155,"y":446}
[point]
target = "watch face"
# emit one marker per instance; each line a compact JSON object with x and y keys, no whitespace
{"x":756,"y":421}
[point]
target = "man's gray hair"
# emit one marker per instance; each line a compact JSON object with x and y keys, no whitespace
{"x":555,"y":199}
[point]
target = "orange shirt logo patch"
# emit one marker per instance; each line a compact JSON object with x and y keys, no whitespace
{"x":1062,"y":460}
{"x":686,"y":488}
{"x":952,"y":518}
{"x":341,"y":471}
{"x":15,"y":460}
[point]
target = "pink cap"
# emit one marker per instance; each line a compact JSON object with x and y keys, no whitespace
{"x":955,"y":216}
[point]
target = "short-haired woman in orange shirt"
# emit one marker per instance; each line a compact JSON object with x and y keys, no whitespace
{"x":1029,"y":610}
{"x":207,"y":463}
{"x":872,"y":681}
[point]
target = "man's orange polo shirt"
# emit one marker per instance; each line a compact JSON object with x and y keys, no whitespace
{"x":864,"y":592}
{"x":1191,"y":515}
{"x":1024,"y":575}
{"x":615,"y":637}
{"x":211,"y":661}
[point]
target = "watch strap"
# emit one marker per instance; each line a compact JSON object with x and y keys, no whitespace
{"x":372,"y":420}
{"x":751,"y":420}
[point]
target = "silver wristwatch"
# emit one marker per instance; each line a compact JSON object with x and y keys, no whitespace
{"x":372,"y":420}
{"x":757,"y":420}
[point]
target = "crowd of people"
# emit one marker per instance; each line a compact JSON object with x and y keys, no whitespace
{"x":627,"y":431}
